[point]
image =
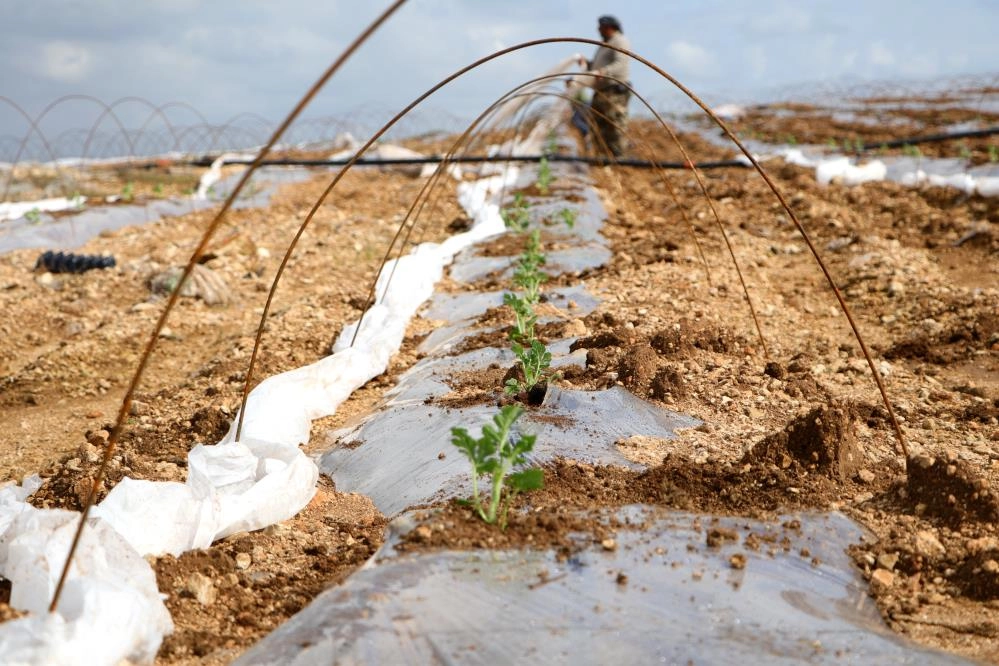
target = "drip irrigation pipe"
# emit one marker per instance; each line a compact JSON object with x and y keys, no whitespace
{"x":474,"y":159}
{"x":929,"y":138}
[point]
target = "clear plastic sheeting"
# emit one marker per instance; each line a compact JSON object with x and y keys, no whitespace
{"x":660,"y":596}
{"x":71,"y":231}
{"x":394,"y":457}
{"x":588,"y":248}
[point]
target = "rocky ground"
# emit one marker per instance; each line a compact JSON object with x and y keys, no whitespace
{"x":792,"y":416}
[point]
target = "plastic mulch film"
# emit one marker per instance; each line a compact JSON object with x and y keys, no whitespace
{"x":659,"y":595}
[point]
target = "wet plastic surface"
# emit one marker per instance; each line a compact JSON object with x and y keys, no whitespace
{"x":660,"y":596}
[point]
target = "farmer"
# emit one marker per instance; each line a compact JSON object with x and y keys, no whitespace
{"x":610,"y":96}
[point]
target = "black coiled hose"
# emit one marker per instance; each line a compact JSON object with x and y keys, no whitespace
{"x":67,"y":262}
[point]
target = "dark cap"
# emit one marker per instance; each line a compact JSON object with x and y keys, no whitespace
{"x":610,"y":22}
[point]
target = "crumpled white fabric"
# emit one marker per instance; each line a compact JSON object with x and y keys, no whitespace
{"x":111,"y":608}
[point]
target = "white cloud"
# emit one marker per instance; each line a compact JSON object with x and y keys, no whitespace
{"x":65,"y":61}
{"x":690,"y":57}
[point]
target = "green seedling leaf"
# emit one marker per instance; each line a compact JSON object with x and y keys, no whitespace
{"x":494,"y":454}
{"x":517,"y":217}
{"x":528,"y":479}
{"x":544,"y":175}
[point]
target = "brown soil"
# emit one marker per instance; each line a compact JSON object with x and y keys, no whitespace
{"x":791,"y":421}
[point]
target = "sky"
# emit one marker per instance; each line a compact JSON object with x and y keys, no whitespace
{"x":257,"y":57}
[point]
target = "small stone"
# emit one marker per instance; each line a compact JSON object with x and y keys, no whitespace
{"x":277,"y":529}
{"x":737,"y":561}
{"x":575,"y":328}
{"x":201,"y":588}
{"x":422,"y":533}
{"x":622,"y":578}
{"x":928,"y":545}
{"x":89,"y":452}
{"x":243,"y":560}
{"x":924,"y":461}
{"x":990,"y":567}
{"x":98,"y":438}
{"x":608,"y":544}
{"x":138,"y":408}
{"x":976,"y":546}
{"x":865,"y":476}
{"x":48,"y":281}
{"x":887,"y":561}
{"x":882,"y":580}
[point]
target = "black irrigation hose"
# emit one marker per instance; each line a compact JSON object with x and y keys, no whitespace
{"x":475,"y":159}
{"x":930,"y":138}
{"x":594,"y":161}
{"x":67,"y":262}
